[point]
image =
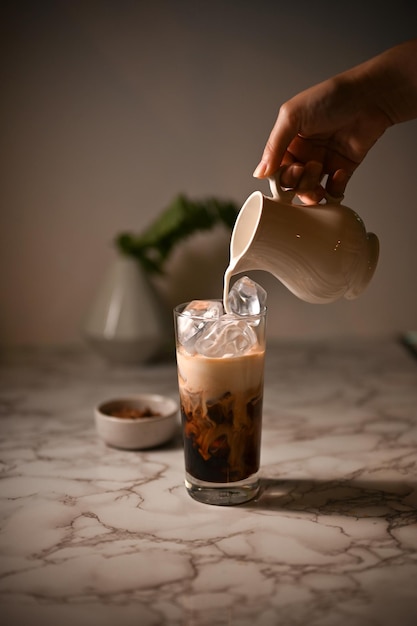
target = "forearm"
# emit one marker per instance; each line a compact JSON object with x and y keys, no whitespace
{"x":389,"y":82}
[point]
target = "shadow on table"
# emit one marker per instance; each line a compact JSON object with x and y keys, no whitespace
{"x":351,"y":497}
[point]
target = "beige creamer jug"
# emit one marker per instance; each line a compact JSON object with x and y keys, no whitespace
{"x":319,"y":252}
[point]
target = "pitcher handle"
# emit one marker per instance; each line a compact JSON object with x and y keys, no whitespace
{"x":277,"y":190}
{"x":284,"y":193}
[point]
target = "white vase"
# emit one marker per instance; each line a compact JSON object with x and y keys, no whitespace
{"x":127,"y":321}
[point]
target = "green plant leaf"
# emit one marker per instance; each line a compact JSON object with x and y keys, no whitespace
{"x":182,"y":218}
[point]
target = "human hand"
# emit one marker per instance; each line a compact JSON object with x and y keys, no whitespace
{"x":325,"y":131}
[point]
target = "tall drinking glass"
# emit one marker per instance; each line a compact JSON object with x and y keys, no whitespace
{"x":220,"y":366}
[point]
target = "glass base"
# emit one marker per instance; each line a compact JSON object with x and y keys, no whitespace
{"x":222,"y":494}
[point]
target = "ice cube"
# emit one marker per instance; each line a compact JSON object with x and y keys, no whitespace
{"x":228,"y":336}
{"x":195,"y":317}
{"x":247,"y":297}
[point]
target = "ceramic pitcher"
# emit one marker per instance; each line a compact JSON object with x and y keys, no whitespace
{"x":319,"y":252}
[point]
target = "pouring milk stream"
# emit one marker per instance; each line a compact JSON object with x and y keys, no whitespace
{"x":319,"y":252}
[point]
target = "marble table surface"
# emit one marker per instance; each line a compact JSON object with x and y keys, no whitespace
{"x":95,"y":535}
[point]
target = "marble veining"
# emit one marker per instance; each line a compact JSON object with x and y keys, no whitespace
{"x":95,"y":535}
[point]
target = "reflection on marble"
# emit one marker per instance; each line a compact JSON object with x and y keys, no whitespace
{"x":94,"y":535}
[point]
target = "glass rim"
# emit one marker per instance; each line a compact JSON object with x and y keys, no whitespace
{"x":179,"y":310}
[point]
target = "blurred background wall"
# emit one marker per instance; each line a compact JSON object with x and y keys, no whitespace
{"x":109,"y":109}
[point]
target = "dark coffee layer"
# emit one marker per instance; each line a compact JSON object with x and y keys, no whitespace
{"x":222,"y":440}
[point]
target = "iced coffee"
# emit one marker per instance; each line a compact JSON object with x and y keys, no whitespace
{"x":220,"y":358}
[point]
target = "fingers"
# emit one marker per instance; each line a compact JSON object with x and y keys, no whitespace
{"x":336,"y":184}
{"x":302,"y":177}
{"x":285,"y":129}
{"x":306,"y":179}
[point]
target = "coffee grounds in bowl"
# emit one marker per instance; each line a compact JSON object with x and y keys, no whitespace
{"x":132,"y":413}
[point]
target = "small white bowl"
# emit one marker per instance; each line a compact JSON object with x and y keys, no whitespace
{"x":137,"y":433}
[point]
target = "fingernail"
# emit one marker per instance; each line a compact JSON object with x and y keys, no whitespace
{"x":260,"y":170}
